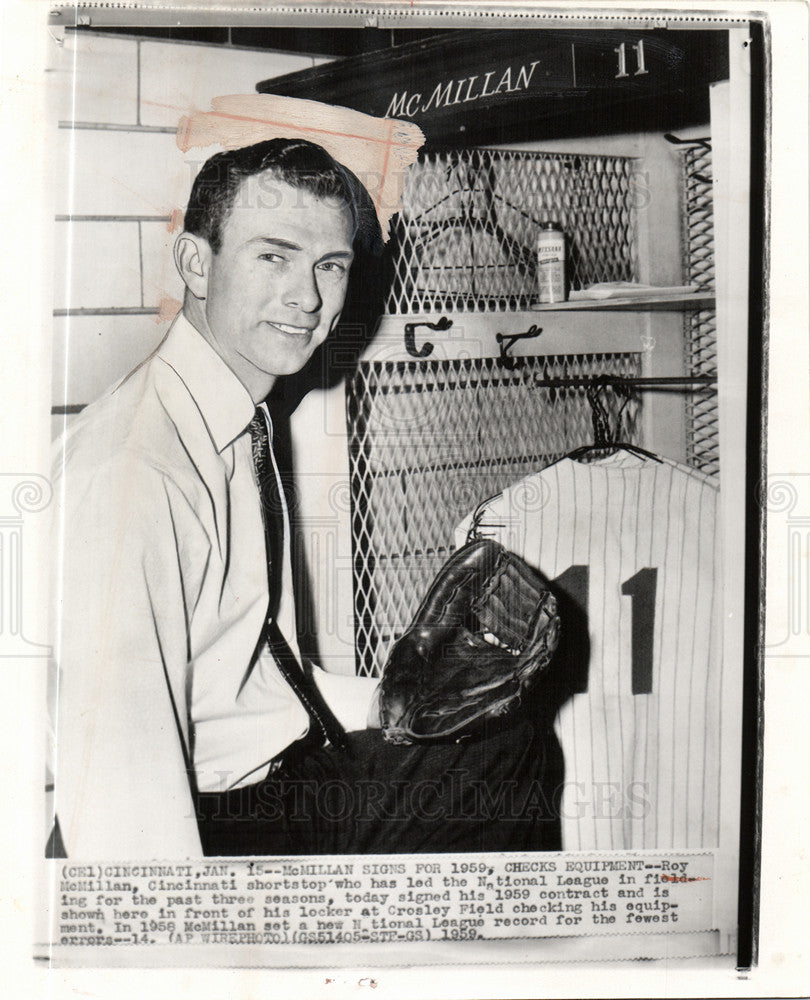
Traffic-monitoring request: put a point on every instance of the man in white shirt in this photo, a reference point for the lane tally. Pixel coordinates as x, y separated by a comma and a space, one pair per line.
177, 731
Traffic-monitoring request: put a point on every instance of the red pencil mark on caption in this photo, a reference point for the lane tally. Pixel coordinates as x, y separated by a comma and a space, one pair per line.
685, 878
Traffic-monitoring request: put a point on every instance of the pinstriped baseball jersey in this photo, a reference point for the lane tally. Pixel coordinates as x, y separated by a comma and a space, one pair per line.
630, 546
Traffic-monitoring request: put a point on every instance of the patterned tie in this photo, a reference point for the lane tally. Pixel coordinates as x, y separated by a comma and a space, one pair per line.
273, 516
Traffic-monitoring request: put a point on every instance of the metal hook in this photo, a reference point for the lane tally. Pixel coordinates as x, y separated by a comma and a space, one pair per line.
704, 140
506, 342
427, 348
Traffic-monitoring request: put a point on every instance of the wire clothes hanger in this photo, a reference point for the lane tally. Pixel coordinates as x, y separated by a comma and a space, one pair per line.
477, 193
604, 434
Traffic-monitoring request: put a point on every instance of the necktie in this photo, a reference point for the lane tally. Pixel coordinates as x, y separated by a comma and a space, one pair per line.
273, 516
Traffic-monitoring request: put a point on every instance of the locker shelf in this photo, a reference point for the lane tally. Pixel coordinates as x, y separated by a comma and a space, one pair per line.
634, 303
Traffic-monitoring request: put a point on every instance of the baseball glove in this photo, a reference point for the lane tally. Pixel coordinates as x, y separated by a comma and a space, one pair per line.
486, 628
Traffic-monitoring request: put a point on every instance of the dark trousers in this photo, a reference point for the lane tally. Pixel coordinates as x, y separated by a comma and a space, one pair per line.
494, 791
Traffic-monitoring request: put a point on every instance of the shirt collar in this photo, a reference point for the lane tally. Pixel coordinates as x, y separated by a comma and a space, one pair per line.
223, 401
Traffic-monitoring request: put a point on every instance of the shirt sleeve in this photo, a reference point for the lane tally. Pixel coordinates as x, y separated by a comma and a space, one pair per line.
122, 775
348, 696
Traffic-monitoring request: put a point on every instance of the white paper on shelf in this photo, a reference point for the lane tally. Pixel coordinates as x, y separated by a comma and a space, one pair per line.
629, 289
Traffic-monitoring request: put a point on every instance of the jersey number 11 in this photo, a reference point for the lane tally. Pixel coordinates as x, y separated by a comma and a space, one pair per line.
641, 589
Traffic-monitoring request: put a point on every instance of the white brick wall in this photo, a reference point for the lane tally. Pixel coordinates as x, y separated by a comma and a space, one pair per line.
97, 263
177, 77
161, 279
90, 353
121, 173
95, 78
119, 176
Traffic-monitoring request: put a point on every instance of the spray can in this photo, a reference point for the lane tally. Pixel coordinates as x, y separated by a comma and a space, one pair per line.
551, 263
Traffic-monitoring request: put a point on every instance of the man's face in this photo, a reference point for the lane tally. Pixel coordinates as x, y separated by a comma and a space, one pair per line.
278, 283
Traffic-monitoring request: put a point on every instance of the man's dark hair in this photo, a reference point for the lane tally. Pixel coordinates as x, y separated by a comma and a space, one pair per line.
297, 162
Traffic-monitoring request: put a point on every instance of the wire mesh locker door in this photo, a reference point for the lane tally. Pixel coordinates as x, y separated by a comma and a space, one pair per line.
465, 240
429, 440
700, 328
